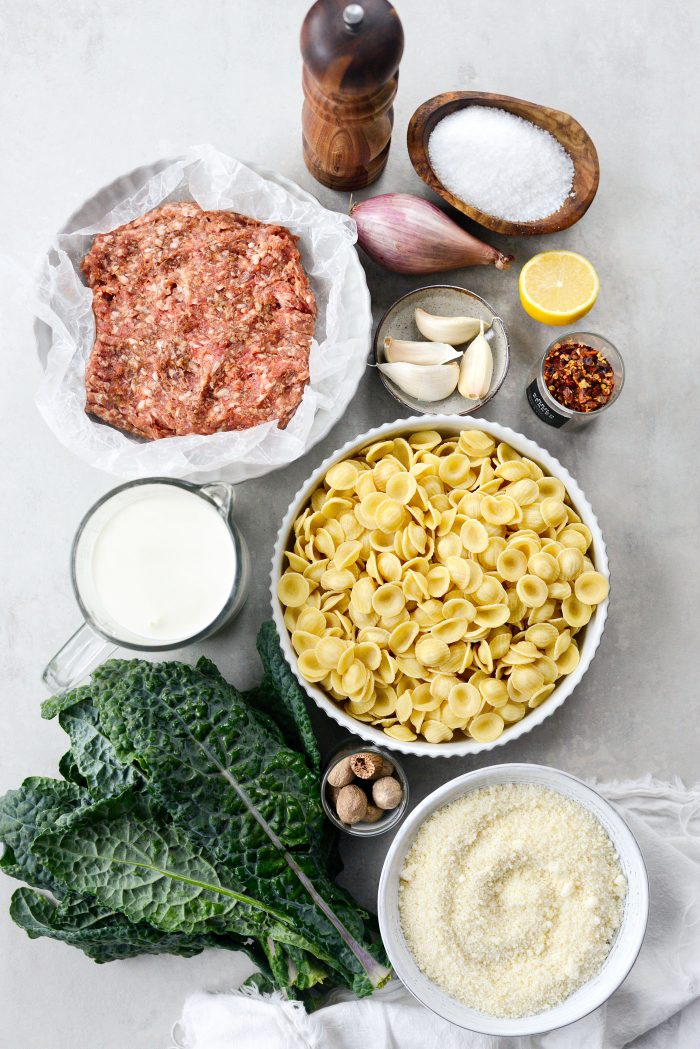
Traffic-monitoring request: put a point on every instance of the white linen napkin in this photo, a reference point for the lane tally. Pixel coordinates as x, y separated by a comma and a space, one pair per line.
657, 1007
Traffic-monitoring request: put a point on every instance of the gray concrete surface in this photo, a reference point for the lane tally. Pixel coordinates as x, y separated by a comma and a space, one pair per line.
90, 90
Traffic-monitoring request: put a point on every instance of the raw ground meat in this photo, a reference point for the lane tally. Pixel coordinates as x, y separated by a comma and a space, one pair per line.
204, 321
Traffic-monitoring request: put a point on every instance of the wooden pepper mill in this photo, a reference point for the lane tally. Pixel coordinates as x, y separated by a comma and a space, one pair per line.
351, 58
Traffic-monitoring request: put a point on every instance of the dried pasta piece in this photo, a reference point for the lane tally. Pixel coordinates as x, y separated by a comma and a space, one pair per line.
493, 691
423, 698
493, 615
401, 487
310, 666
450, 630
388, 600
577, 613
432, 652
293, 589
570, 562
455, 470
511, 564
401, 732
569, 537
538, 697
369, 654
474, 536
458, 608
531, 590
438, 580
499, 509
542, 634
389, 515
511, 712
362, 593
569, 659
553, 511
591, 588
335, 580
551, 488
499, 643
464, 700
485, 728
544, 566
404, 705
424, 439
342, 476
435, 731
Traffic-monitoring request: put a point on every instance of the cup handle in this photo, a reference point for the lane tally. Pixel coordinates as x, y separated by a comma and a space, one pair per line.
221, 493
78, 657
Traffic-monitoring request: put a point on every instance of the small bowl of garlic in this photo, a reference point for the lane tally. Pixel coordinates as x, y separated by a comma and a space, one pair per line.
442, 349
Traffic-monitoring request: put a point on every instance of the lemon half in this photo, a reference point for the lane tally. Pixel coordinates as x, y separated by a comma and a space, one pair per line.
558, 287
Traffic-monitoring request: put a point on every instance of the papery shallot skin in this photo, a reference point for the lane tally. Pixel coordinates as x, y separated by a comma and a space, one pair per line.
204, 322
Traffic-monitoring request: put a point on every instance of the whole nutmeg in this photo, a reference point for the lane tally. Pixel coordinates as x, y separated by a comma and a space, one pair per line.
366, 765
332, 794
387, 769
341, 774
351, 805
373, 814
387, 792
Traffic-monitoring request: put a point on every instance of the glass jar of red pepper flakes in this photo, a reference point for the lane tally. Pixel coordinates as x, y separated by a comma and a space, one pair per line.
578, 377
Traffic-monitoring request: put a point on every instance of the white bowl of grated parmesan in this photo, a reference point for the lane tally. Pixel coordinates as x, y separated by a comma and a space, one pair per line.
513, 900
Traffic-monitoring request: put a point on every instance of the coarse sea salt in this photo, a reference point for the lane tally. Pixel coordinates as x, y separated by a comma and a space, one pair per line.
500, 163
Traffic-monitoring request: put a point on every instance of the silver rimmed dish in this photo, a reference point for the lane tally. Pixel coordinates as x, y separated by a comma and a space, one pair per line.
451, 301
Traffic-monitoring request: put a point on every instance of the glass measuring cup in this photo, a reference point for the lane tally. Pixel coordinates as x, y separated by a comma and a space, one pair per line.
101, 632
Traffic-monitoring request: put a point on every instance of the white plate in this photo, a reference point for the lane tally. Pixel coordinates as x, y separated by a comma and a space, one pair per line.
588, 638
626, 945
355, 303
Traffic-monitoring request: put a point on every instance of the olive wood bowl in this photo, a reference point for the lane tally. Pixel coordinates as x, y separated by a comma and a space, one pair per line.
563, 127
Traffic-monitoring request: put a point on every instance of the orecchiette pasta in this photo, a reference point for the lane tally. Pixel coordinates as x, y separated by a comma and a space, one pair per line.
434, 586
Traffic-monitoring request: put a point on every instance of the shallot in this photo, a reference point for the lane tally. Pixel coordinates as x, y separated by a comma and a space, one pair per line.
407, 234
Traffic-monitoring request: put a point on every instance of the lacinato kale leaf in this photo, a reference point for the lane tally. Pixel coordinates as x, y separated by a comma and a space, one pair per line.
93, 756
281, 694
103, 935
189, 817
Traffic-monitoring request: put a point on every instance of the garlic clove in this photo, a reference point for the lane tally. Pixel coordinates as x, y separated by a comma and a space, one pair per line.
476, 368
400, 351
452, 330
426, 382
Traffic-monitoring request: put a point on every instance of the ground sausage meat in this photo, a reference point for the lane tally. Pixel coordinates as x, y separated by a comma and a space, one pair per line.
204, 321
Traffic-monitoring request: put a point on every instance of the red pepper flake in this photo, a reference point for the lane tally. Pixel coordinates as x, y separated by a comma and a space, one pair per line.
578, 376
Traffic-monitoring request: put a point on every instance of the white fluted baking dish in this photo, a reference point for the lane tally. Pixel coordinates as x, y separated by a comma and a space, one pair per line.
588, 638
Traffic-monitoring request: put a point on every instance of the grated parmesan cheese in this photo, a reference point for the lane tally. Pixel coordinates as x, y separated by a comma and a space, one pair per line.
510, 898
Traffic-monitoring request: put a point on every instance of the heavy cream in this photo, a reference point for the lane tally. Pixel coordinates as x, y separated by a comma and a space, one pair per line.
162, 564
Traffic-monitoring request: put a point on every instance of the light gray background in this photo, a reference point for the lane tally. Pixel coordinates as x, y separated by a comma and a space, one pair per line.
92, 89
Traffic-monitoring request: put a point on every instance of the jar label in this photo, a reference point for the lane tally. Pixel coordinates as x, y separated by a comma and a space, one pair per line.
542, 410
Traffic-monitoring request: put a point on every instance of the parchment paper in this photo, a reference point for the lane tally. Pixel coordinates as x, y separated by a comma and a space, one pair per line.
338, 352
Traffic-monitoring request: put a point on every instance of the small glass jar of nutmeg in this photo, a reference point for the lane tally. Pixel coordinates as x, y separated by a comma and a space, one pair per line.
364, 790
579, 376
